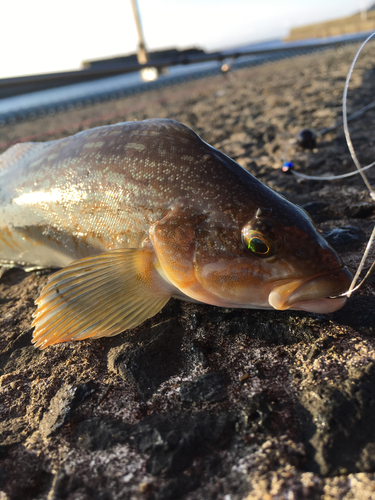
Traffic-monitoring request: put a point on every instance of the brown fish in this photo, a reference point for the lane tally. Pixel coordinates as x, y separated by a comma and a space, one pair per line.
138, 212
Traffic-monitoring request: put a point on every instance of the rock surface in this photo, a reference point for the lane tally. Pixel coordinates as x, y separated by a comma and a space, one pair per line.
201, 402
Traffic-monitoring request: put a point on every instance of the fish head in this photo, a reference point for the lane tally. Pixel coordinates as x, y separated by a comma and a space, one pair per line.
272, 259
231, 241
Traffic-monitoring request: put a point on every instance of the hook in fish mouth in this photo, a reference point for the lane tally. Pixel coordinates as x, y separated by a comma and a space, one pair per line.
320, 294
344, 294
353, 288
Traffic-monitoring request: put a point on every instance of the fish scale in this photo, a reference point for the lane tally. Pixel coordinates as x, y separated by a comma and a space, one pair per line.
150, 209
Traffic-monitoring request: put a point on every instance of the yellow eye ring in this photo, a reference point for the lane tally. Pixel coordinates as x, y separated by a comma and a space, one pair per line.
256, 242
258, 246
261, 237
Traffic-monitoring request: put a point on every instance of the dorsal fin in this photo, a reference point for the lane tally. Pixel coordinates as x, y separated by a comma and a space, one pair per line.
18, 151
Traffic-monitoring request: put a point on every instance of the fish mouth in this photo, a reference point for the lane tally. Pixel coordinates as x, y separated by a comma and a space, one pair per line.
312, 295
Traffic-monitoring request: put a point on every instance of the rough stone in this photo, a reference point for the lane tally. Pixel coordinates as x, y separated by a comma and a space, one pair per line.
359, 210
316, 210
345, 237
174, 440
63, 405
100, 434
258, 412
12, 432
339, 425
27, 477
177, 488
209, 387
153, 357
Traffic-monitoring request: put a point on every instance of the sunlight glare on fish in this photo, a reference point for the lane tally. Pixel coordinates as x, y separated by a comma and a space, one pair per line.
54, 195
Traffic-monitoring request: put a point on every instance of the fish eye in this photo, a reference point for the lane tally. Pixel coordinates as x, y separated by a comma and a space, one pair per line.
258, 246
256, 243
260, 237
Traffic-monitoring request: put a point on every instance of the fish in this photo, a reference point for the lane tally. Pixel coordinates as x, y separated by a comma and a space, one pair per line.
138, 212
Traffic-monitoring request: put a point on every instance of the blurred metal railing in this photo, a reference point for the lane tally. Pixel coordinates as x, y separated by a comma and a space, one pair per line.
236, 59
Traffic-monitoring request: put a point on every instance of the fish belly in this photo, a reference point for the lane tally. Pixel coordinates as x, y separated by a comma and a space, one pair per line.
43, 233
32, 240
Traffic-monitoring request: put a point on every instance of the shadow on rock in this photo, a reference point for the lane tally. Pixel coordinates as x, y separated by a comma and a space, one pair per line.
172, 440
358, 313
339, 432
149, 358
25, 477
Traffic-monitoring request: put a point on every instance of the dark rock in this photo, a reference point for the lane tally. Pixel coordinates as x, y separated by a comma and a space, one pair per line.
321, 345
3, 451
195, 320
70, 485
174, 440
209, 387
64, 485
316, 210
11, 432
177, 488
359, 210
314, 207
339, 425
273, 328
306, 139
345, 238
62, 407
27, 479
3, 476
359, 313
23, 340
196, 354
366, 460
153, 357
257, 413
19, 353
235, 326
285, 329
100, 434
22, 357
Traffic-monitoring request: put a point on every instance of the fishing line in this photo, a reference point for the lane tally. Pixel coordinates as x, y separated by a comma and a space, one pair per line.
288, 166
311, 143
345, 120
363, 175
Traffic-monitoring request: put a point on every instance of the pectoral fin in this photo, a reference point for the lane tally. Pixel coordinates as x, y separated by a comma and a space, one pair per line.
99, 296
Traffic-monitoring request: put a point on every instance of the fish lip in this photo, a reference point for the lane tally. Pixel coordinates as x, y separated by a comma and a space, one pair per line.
322, 306
314, 294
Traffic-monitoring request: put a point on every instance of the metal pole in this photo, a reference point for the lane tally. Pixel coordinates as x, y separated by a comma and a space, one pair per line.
142, 53
363, 11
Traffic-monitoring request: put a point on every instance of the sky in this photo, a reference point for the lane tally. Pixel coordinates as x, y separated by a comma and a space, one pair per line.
42, 36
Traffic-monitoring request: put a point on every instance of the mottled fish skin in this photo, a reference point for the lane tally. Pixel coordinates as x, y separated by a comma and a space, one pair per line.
156, 187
